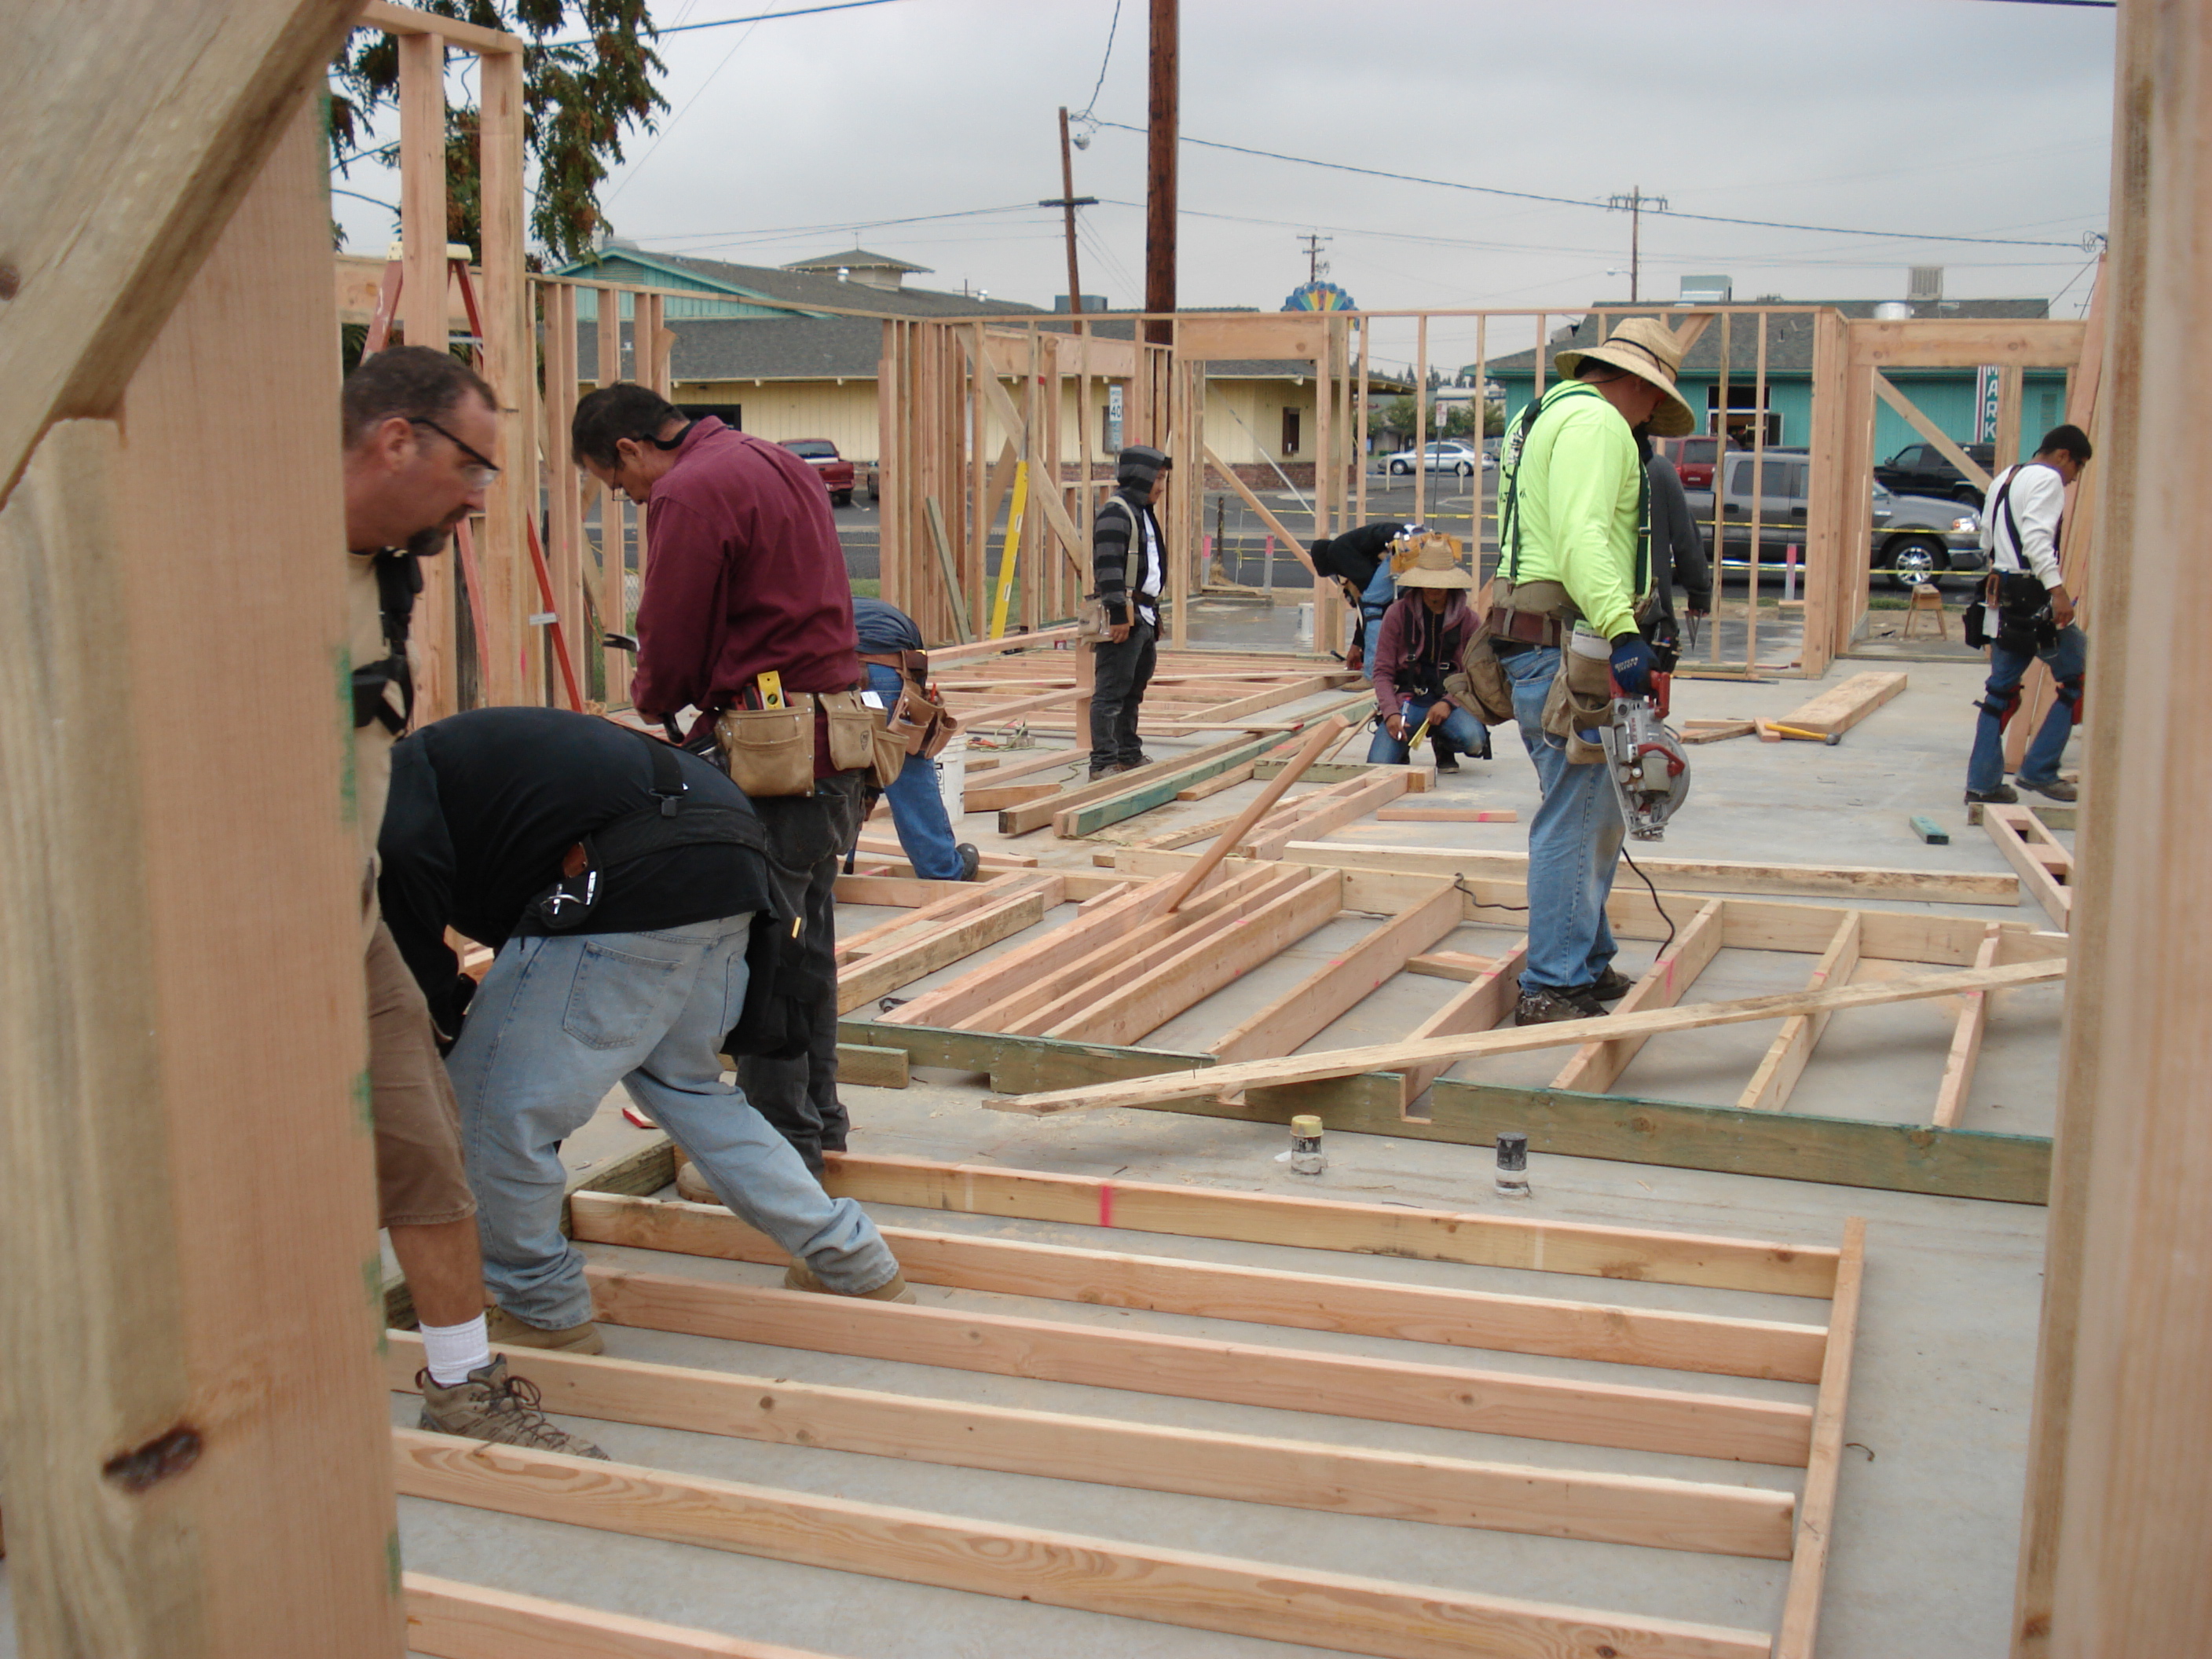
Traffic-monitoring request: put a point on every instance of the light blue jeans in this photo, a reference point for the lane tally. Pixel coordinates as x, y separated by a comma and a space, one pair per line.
925, 831
1459, 730
557, 1024
2067, 659
1574, 842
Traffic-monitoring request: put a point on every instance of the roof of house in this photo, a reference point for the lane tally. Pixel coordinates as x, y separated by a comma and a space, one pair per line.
798, 286
1788, 334
857, 259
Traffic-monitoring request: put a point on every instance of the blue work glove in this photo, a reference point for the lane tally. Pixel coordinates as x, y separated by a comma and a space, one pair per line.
1633, 664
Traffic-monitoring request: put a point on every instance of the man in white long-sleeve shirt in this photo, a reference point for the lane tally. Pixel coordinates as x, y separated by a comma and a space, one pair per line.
2034, 615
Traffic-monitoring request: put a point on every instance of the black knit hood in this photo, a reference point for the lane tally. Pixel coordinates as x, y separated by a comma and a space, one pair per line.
1138, 469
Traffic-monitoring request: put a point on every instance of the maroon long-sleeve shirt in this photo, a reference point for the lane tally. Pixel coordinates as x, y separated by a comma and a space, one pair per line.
1409, 632
745, 574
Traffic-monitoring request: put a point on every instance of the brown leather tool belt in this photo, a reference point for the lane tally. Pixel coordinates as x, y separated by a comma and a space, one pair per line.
1529, 627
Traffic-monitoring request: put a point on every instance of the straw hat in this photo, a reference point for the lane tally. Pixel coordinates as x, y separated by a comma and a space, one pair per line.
1649, 349
1435, 564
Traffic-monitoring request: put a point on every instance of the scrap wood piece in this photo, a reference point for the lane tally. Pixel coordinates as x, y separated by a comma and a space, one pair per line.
1840, 707
1217, 783
1488, 997
1597, 1066
448, 1620
1420, 780
1056, 1569
1928, 830
1966, 1041
1308, 752
1341, 984
1266, 1295
1330, 808
1685, 875
1786, 1058
964, 896
1627, 1416
1451, 965
1392, 1056
1471, 1239
1721, 732
1801, 1608
1714, 1519
996, 797
994, 860
2043, 860
1447, 815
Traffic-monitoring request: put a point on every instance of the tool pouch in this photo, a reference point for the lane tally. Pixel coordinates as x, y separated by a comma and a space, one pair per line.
851, 731
1090, 620
1480, 685
1580, 697
1546, 598
769, 752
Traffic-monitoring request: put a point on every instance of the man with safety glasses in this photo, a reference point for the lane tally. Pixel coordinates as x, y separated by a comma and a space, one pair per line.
420, 430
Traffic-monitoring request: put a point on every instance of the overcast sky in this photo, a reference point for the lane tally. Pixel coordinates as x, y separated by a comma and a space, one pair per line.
1943, 118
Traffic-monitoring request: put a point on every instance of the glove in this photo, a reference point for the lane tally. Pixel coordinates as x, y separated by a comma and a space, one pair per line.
1633, 662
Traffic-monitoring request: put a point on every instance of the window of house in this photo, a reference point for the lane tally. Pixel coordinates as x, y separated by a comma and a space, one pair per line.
1291, 431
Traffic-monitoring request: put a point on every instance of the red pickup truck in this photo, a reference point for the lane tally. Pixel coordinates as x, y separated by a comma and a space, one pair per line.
1693, 459
836, 471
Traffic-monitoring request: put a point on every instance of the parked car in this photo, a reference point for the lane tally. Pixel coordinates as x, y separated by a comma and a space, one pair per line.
1448, 455
822, 455
1692, 457
1916, 538
1925, 469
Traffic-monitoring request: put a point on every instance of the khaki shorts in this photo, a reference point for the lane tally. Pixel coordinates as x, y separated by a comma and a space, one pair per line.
420, 1179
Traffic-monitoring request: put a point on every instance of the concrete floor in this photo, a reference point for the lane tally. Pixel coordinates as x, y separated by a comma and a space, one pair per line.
1927, 1530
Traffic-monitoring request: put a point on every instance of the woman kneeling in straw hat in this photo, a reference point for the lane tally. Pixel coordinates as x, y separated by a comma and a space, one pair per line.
1419, 641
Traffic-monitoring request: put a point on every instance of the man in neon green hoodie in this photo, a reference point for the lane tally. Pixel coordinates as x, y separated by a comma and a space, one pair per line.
1575, 562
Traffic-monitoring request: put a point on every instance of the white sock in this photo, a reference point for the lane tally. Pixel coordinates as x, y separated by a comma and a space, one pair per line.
452, 1351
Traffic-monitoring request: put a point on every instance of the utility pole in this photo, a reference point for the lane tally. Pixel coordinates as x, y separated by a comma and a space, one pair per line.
1315, 243
1068, 202
1634, 202
1162, 131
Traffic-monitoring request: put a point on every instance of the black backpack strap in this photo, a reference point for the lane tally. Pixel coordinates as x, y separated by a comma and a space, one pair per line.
1509, 512
398, 580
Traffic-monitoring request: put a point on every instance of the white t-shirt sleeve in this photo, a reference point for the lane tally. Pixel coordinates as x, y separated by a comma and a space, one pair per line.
2038, 497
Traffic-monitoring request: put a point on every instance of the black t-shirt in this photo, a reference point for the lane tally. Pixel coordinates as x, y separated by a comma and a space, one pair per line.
485, 805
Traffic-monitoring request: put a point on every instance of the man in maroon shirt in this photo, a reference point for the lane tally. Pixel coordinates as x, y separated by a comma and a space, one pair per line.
745, 577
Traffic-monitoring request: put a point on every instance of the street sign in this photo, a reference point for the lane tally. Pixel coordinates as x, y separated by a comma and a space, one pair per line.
1986, 381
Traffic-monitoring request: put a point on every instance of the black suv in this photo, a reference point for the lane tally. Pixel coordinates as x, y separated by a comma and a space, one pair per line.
1922, 470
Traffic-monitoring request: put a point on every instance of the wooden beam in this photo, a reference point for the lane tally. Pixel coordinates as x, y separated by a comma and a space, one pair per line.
1342, 983
1470, 1237
1948, 447
182, 1481
451, 1621
405, 21
959, 898
1447, 815
1689, 875
880, 974
1193, 1368
1784, 1063
1596, 1066
1840, 707
1175, 1586
1274, 524
1965, 1042
1028, 965
1964, 342
1489, 997
1226, 843
1021, 820
1801, 1608
2039, 856
1451, 965
1153, 788
1347, 1062
1299, 1300
1330, 808
515, 671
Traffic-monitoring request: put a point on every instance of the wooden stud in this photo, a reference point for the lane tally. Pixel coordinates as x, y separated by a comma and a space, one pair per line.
1785, 1063
1800, 1609
1330, 808
1840, 707
450, 1620
1175, 1586
182, 1484
1300, 1300
1308, 752
1728, 1427
1948, 447
1596, 1066
422, 315
1966, 1041
1490, 995
880, 974
1470, 1237
1446, 815
2045, 865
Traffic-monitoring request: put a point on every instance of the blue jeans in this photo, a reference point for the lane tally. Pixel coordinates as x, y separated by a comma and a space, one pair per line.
557, 1024
1457, 729
2066, 659
1574, 841
925, 830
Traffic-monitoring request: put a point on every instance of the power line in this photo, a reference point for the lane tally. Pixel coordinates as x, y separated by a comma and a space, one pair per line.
1569, 201
1112, 29
774, 231
727, 22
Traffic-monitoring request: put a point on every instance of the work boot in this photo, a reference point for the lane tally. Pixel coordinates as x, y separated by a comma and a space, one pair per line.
1098, 772
800, 1276
2057, 789
1446, 760
494, 1407
1609, 987
691, 1187
1546, 1006
971, 860
506, 1331
2002, 795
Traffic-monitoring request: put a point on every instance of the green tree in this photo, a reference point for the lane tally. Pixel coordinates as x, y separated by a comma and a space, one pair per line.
579, 99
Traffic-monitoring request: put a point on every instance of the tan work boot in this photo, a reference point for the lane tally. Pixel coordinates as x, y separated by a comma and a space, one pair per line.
800, 1276
691, 1187
506, 1331
495, 1407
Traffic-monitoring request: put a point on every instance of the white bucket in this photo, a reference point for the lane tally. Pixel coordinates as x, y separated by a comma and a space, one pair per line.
952, 777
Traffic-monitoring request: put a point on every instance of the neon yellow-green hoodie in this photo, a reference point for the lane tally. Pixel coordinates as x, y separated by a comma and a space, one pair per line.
1580, 488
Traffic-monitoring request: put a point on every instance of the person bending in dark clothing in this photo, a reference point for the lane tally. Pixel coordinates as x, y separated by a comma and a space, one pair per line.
1358, 561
